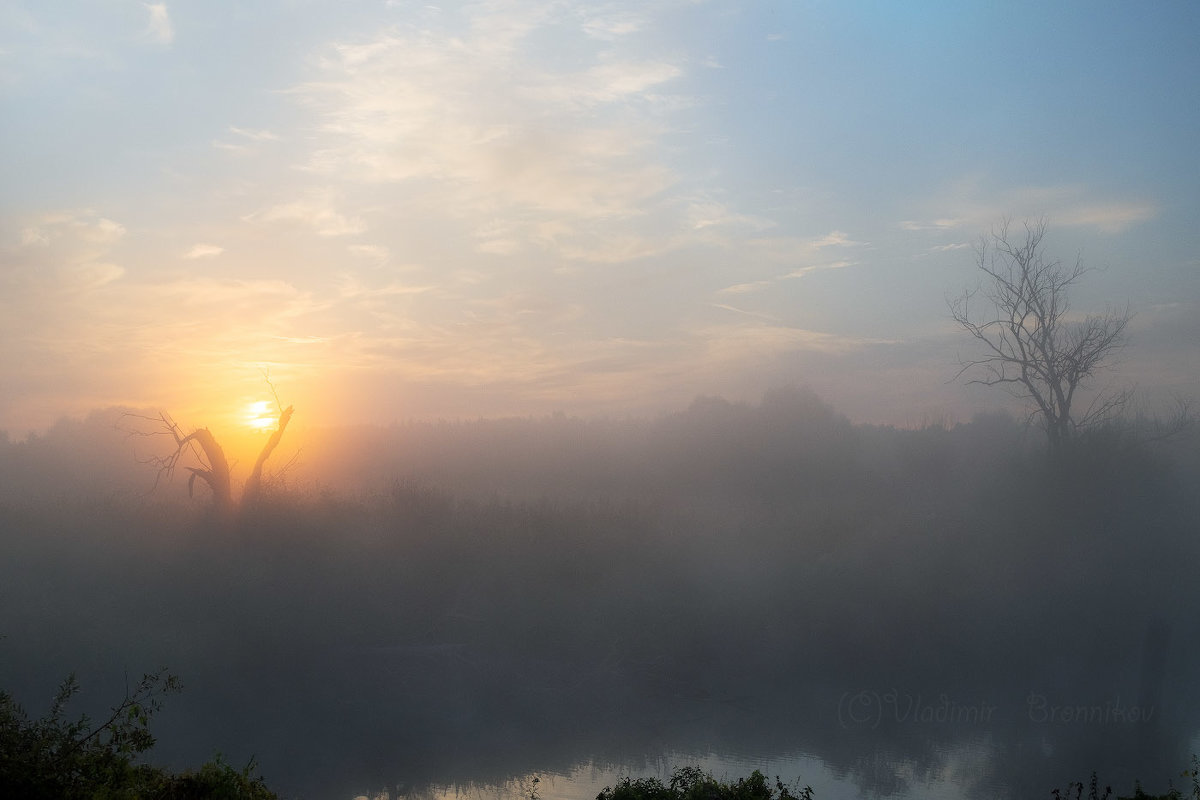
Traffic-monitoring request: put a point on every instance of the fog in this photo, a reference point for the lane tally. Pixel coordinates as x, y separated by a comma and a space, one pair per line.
474, 601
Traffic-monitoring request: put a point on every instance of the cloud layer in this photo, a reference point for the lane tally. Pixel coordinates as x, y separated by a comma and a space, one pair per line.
511, 207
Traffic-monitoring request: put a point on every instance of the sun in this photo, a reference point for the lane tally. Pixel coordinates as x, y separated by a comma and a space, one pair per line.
258, 415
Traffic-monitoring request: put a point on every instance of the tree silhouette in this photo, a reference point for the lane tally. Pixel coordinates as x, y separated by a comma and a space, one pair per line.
1031, 344
213, 469
254, 482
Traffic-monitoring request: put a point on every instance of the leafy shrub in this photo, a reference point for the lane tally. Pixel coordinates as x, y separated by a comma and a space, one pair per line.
1074, 790
693, 783
58, 759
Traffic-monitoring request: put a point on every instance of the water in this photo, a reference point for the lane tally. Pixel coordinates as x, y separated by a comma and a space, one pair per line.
586, 780
578, 736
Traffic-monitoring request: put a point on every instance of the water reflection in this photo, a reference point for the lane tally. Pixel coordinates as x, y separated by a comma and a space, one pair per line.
586, 780
490, 727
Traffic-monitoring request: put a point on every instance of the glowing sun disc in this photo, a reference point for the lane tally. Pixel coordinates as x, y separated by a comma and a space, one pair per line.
258, 415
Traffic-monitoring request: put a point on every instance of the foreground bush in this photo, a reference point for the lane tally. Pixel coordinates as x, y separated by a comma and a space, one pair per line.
58, 759
1075, 790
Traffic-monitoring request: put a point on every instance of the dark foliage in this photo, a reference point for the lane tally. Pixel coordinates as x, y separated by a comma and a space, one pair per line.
1075, 791
693, 783
56, 758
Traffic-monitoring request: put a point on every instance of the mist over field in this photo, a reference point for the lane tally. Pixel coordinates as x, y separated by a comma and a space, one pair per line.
477, 601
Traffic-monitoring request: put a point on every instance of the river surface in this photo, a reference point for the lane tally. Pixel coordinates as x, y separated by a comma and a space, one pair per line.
585, 781
578, 734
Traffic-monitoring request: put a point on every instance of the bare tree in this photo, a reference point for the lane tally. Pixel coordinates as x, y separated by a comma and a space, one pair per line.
213, 467
254, 482
1031, 344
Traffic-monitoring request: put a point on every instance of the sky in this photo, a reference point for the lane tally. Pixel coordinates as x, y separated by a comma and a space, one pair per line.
399, 210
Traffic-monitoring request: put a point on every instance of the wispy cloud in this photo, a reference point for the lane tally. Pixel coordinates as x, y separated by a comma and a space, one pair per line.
736, 310
471, 122
706, 213
941, 224
93, 274
975, 205
204, 251
230, 147
745, 288
374, 252
350, 287
835, 239
315, 210
158, 27
246, 141
83, 226
798, 250
809, 256
59, 266
811, 268
739, 341
609, 24
1113, 217
254, 136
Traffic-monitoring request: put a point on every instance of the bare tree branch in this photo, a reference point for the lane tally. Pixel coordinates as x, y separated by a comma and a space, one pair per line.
254, 482
266, 373
1030, 345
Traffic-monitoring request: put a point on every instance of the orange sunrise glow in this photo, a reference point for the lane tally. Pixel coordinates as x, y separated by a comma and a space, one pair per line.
258, 415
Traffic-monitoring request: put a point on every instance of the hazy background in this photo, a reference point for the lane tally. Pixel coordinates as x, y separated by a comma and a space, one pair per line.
478, 601
412, 211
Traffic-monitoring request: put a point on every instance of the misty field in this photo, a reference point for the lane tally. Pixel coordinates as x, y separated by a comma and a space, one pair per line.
475, 601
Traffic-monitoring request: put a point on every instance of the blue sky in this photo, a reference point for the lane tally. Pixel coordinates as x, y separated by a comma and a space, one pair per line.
409, 210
